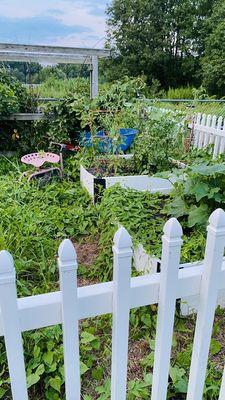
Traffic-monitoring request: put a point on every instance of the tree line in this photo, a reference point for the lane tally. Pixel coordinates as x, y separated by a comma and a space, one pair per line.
176, 42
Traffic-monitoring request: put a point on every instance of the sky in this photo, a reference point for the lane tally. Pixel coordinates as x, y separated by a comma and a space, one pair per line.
78, 23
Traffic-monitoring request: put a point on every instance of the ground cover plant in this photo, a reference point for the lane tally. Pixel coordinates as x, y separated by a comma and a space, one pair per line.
34, 220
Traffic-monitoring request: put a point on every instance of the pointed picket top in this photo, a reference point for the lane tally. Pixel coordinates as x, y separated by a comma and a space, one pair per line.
217, 219
122, 239
172, 229
6, 262
67, 252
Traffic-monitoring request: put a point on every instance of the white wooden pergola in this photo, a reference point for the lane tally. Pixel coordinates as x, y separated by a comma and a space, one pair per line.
56, 55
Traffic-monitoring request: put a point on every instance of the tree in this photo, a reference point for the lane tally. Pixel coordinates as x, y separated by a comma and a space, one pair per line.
161, 39
214, 60
23, 71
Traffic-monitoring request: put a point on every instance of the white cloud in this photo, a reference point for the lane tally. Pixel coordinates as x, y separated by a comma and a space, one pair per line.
70, 13
81, 40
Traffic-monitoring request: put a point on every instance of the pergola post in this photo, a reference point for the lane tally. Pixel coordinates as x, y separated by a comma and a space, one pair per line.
94, 77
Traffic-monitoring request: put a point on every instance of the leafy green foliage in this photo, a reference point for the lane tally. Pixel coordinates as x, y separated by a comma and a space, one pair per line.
33, 222
159, 139
201, 192
14, 97
163, 40
214, 59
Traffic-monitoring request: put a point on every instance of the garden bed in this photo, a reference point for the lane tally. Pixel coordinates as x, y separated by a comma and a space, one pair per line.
95, 185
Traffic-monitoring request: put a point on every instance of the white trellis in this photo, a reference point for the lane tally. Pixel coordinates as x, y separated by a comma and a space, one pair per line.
209, 129
71, 304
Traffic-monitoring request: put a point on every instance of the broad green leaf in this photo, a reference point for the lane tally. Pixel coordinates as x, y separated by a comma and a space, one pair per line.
56, 383
48, 357
198, 215
32, 379
83, 368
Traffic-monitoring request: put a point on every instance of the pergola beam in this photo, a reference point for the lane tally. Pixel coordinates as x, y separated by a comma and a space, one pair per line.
43, 58
82, 52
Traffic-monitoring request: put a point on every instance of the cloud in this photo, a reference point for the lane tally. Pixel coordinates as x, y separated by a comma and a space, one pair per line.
37, 30
66, 19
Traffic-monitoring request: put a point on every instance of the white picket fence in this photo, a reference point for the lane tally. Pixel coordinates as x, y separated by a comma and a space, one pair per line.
209, 129
71, 304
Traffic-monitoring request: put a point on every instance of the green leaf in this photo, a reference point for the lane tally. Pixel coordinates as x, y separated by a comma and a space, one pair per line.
215, 347
198, 215
2, 392
181, 385
36, 351
83, 368
32, 379
177, 208
97, 373
200, 190
48, 357
40, 370
56, 383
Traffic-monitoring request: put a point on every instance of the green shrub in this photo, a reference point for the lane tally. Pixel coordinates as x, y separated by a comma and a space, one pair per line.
159, 139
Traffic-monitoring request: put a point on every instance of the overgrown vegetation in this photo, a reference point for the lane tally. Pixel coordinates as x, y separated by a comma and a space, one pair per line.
35, 218
33, 222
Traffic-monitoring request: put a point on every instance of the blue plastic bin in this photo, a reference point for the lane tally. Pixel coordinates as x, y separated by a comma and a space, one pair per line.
105, 142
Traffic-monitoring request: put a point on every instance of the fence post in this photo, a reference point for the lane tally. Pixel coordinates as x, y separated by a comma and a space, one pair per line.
166, 307
67, 263
218, 138
122, 251
11, 326
207, 303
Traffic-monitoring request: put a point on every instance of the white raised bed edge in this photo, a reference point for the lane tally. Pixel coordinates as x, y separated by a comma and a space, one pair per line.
136, 182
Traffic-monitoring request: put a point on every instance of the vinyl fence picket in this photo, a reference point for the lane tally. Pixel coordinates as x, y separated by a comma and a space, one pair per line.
196, 132
207, 303
206, 138
214, 125
12, 332
122, 251
217, 140
67, 263
166, 307
222, 139
201, 134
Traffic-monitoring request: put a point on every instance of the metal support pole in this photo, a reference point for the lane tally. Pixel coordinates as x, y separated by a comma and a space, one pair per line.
94, 77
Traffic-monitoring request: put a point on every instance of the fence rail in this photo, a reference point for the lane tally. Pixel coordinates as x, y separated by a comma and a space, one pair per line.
71, 304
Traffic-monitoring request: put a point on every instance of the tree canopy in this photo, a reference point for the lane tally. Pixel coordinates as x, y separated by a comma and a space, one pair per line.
162, 39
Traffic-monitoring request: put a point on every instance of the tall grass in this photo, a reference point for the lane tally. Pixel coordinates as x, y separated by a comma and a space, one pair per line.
59, 88
185, 92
